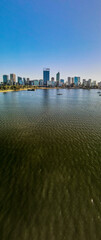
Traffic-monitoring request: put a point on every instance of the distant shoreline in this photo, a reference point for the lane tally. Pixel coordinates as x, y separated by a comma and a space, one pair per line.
43, 88
12, 90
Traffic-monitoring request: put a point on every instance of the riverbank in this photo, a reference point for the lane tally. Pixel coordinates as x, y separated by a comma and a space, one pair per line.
24, 89
12, 90
37, 88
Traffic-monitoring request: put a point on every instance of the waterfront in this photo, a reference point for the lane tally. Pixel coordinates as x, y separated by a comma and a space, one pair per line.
50, 165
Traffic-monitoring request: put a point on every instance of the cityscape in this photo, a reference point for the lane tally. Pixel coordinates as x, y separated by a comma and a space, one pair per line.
47, 81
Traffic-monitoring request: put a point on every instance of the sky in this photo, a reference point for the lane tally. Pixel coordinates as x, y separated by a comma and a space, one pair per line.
64, 35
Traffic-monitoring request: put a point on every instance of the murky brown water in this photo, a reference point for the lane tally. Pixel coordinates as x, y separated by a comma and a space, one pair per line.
50, 165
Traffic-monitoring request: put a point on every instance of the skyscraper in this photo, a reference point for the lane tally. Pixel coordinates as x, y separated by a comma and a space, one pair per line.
24, 81
28, 79
46, 75
72, 80
12, 79
89, 83
62, 81
77, 81
58, 78
41, 82
5, 79
52, 79
20, 81
69, 81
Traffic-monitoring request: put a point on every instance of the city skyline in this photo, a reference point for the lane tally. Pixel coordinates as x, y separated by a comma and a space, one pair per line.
65, 36
49, 81
53, 74
50, 76
47, 76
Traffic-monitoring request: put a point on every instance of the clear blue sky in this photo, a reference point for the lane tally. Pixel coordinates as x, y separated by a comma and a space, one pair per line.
64, 35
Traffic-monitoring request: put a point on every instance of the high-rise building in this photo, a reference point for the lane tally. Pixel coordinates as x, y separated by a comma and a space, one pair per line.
72, 80
89, 83
84, 82
36, 82
52, 79
58, 78
46, 75
20, 82
93, 84
99, 84
27, 81
77, 81
24, 81
69, 81
5, 79
62, 81
12, 79
41, 82
49, 83
31, 82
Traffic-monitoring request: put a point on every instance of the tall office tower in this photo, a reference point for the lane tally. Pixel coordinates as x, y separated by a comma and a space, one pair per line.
46, 75
69, 81
20, 81
5, 79
99, 84
24, 81
72, 80
77, 81
52, 79
41, 82
62, 81
93, 84
58, 78
12, 79
28, 79
89, 82
84, 82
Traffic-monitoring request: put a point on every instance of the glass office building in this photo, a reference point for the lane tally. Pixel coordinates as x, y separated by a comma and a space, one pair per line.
46, 75
62, 81
12, 79
20, 82
36, 82
58, 78
5, 79
77, 81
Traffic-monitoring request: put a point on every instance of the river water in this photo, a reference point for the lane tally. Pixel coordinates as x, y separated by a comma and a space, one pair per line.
50, 165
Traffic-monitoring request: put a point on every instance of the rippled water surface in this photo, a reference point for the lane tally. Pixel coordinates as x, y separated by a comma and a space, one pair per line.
50, 165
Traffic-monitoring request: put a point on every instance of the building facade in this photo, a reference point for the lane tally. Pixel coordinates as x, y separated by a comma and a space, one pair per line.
46, 75
58, 78
36, 82
41, 82
5, 79
99, 84
89, 83
27, 81
20, 82
69, 80
61, 82
77, 81
12, 79
52, 79
93, 84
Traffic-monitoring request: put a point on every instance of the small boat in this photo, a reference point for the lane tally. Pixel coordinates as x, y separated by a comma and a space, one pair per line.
31, 89
59, 94
99, 94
